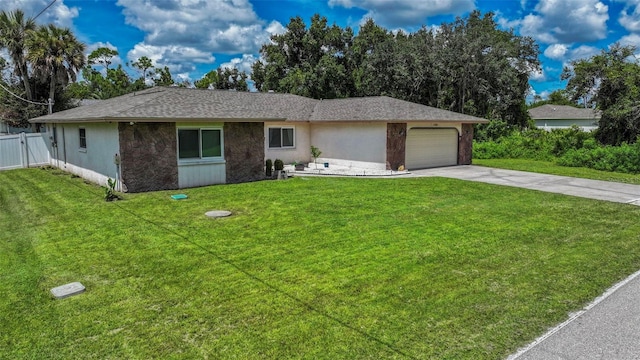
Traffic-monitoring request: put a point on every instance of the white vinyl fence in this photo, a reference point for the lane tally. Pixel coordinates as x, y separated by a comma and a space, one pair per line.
22, 151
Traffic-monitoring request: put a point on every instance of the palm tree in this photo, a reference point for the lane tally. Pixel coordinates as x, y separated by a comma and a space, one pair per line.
15, 29
55, 54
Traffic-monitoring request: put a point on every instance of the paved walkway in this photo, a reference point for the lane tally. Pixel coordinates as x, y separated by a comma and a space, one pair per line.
592, 189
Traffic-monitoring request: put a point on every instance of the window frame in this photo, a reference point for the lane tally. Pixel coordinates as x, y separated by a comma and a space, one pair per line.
200, 158
281, 128
82, 139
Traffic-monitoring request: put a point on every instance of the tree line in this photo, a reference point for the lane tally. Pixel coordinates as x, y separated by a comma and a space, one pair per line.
44, 63
43, 58
468, 66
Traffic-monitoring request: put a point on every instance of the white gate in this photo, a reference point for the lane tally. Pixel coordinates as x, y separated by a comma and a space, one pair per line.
22, 151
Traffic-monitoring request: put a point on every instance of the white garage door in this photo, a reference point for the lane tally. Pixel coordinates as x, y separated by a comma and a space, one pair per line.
431, 148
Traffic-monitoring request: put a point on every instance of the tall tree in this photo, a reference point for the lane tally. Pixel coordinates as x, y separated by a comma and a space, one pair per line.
611, 82
102, 56
310, 62
144, 64
209, 80
469, 66
163, 77
56, 56
224, 79
487, 69
15, 29
556, 97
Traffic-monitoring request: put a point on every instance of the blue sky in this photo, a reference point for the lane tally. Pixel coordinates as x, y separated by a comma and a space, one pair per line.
192, 37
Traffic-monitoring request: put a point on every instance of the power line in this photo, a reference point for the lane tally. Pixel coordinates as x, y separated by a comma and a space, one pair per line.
21, 98
45, 9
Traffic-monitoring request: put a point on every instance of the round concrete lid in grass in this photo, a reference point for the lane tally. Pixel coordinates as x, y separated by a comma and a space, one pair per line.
218, 213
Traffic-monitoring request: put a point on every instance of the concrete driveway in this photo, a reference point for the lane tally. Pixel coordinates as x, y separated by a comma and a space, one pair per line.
592, 189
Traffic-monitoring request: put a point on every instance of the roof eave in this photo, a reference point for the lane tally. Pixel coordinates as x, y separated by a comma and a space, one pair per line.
151, 120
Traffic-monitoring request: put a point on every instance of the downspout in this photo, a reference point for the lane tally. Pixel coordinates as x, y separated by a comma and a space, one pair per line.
54, 144
64, 146
26, 148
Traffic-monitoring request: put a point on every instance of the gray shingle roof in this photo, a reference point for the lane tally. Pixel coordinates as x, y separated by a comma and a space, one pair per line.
170, 104
384, 108
550, 111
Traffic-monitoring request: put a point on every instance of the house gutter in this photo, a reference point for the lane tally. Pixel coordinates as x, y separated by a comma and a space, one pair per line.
153, 120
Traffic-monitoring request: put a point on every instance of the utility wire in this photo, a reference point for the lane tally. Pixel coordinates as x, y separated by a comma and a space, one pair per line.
21, 98
45, 9
17, 96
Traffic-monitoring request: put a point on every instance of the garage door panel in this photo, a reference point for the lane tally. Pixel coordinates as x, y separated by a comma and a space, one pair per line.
431, 148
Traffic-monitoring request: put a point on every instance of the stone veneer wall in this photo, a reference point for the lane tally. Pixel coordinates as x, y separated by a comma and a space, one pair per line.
396, 145
244, 151
148, 156
465, 145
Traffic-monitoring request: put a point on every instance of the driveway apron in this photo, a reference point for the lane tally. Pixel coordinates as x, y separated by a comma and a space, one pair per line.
592, 189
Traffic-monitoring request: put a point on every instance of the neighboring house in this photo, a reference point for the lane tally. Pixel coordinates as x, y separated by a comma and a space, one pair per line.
549, 117
170, 138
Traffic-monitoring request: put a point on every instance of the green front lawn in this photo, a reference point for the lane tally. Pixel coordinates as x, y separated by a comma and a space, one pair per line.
305, 268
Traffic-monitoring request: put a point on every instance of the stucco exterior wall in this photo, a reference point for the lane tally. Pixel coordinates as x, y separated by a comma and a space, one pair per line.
244, 151
95, 163
301, 152
148, 153
359, 142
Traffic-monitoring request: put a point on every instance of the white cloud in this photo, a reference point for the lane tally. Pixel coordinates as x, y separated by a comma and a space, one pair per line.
565, 21
583, 52
405, 13
566, 53
179, 59
275, 28
556, 51
237, 38
229, 26
183, 77
538, 76
630, 16
242, 64
58, 14
631, 39
545, 94
181, 33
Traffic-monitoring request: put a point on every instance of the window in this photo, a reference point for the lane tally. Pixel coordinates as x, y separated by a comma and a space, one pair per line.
83, 138
199, 143
281, 137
